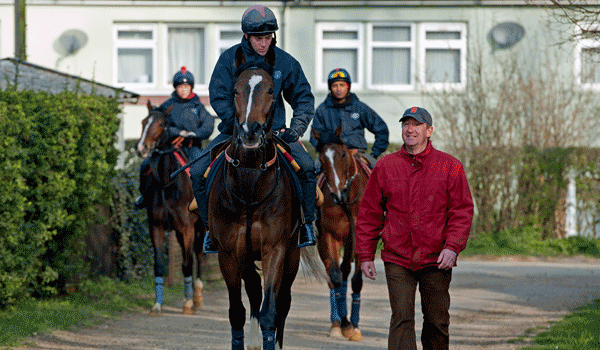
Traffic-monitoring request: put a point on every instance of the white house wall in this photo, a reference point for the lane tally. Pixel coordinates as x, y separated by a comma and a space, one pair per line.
47, 20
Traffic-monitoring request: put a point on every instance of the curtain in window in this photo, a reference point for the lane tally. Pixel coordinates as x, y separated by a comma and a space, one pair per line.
186, 48
391, 66
135, 66
442, 66
342, 58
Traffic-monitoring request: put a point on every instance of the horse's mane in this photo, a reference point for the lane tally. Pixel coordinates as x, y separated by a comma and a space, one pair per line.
250, 65
327, 137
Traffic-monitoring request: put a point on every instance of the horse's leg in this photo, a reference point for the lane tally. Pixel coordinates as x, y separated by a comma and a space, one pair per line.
284, 301
357, 284
231, 271
198, 285
347, 327
253, 286
157, 235
329, 250
185, 237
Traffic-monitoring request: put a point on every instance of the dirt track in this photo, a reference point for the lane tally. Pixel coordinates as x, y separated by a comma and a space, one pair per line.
493, 302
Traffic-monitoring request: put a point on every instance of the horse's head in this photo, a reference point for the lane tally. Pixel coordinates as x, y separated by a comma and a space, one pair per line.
153, 127
337, 163
253, 99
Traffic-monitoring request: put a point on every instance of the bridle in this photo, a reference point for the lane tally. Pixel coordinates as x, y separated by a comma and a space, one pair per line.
350, 164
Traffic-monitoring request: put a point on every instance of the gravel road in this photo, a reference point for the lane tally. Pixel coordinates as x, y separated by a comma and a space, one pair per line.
493, 302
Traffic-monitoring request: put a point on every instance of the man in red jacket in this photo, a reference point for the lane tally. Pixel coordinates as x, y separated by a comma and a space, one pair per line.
418, 201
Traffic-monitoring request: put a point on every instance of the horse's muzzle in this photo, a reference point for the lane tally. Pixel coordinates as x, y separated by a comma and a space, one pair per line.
251, 135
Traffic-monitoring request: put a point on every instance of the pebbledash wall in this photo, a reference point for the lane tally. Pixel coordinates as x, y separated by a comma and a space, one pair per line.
394, 50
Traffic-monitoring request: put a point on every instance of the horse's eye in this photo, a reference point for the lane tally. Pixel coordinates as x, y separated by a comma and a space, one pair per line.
235, 92
271, 91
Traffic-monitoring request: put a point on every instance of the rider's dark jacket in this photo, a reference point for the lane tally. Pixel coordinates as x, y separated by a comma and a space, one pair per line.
190, 115
289, 80
355, 117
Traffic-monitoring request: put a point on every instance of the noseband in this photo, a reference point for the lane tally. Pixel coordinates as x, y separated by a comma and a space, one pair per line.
349, 179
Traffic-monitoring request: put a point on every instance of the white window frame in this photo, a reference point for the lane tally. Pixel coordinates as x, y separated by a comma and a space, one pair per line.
457, 44
371, 45
165, 53
135, 44
225, 44
580, 45
321, 44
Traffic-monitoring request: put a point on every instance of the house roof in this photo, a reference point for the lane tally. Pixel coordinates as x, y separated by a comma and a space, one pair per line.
29, 76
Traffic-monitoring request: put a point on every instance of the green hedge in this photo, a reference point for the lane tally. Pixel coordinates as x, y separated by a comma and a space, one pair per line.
58, 159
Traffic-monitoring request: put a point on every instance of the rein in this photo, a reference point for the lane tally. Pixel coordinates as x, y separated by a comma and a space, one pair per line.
349, 181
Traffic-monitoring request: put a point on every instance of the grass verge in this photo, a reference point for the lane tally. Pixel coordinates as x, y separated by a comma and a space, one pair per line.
92, 303
577, 331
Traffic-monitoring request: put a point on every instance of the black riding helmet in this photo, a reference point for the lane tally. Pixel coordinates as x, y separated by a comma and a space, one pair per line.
183, 77
259, 20
338, 74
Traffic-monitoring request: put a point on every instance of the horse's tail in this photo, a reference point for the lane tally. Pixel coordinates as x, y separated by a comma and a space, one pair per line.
311, 265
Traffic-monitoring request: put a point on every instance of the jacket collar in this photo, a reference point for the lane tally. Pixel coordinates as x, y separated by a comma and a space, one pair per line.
181, 100
330, 102
419, 156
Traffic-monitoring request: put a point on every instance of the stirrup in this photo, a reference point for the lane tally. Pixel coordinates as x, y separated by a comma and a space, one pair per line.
306, 236
208, 246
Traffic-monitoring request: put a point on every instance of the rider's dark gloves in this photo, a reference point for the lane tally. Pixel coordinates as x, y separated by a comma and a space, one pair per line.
290, 135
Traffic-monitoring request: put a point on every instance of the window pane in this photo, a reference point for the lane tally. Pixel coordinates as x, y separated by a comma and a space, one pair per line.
391, 34
442, 66
590, 58
442, 35
186, 48
135, 66
340, 35
391, 66
347, 59
134, 34
231, 35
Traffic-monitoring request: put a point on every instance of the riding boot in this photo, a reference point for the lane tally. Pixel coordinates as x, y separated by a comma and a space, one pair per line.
145, 179
199, 187
307, 236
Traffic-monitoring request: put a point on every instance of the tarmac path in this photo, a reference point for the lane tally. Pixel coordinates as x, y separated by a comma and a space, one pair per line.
493, 303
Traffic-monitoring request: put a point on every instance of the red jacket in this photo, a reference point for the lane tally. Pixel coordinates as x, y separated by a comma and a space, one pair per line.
419, 205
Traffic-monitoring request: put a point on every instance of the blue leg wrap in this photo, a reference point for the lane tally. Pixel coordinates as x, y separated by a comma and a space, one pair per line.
355, 309
237, 340
158, 290
333, 306
341, 300
268, 340
188, 290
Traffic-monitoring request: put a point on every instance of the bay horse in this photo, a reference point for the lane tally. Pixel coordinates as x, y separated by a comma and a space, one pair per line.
254, 214
168, 208
344, 179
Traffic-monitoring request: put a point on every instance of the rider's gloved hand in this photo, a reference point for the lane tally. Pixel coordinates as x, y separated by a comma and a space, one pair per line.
185, 133
289, 136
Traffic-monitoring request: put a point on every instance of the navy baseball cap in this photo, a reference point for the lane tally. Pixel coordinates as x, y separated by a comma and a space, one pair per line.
420, 114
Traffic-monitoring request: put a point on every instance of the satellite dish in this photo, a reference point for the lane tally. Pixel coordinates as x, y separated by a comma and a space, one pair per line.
72, 40
506, 34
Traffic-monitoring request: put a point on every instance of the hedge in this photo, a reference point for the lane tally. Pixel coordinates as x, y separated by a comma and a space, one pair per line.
57, 165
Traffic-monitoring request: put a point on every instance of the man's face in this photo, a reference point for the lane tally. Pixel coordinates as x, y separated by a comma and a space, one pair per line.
260, 43
415, 134
184, 90
340, 89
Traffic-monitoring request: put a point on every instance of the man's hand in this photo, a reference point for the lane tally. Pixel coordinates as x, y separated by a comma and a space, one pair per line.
186, 133
447, 259
368, 269
289, 136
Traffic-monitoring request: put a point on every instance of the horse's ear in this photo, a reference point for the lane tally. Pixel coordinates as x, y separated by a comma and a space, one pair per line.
315, 134
168, 111
240, 58
338, 130
149, 105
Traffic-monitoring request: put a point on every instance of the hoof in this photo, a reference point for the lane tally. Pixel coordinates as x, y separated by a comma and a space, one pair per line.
198, 301
156, 310
356, 335
188, 308
336, 332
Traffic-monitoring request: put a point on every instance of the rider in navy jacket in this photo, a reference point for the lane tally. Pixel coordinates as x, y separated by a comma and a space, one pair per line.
259, 25
354, 115
188, 119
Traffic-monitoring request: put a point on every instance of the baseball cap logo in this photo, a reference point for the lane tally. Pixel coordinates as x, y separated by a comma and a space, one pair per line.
413, 110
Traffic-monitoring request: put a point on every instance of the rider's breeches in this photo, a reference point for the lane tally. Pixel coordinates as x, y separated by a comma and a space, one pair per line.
307, 177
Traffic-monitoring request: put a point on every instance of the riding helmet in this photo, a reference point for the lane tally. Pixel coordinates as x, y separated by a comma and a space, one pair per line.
338, 74
259, 20
183, 77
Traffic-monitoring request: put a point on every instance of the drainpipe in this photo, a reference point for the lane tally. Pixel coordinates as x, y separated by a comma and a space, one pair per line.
571, 204
20, 30
281, 40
